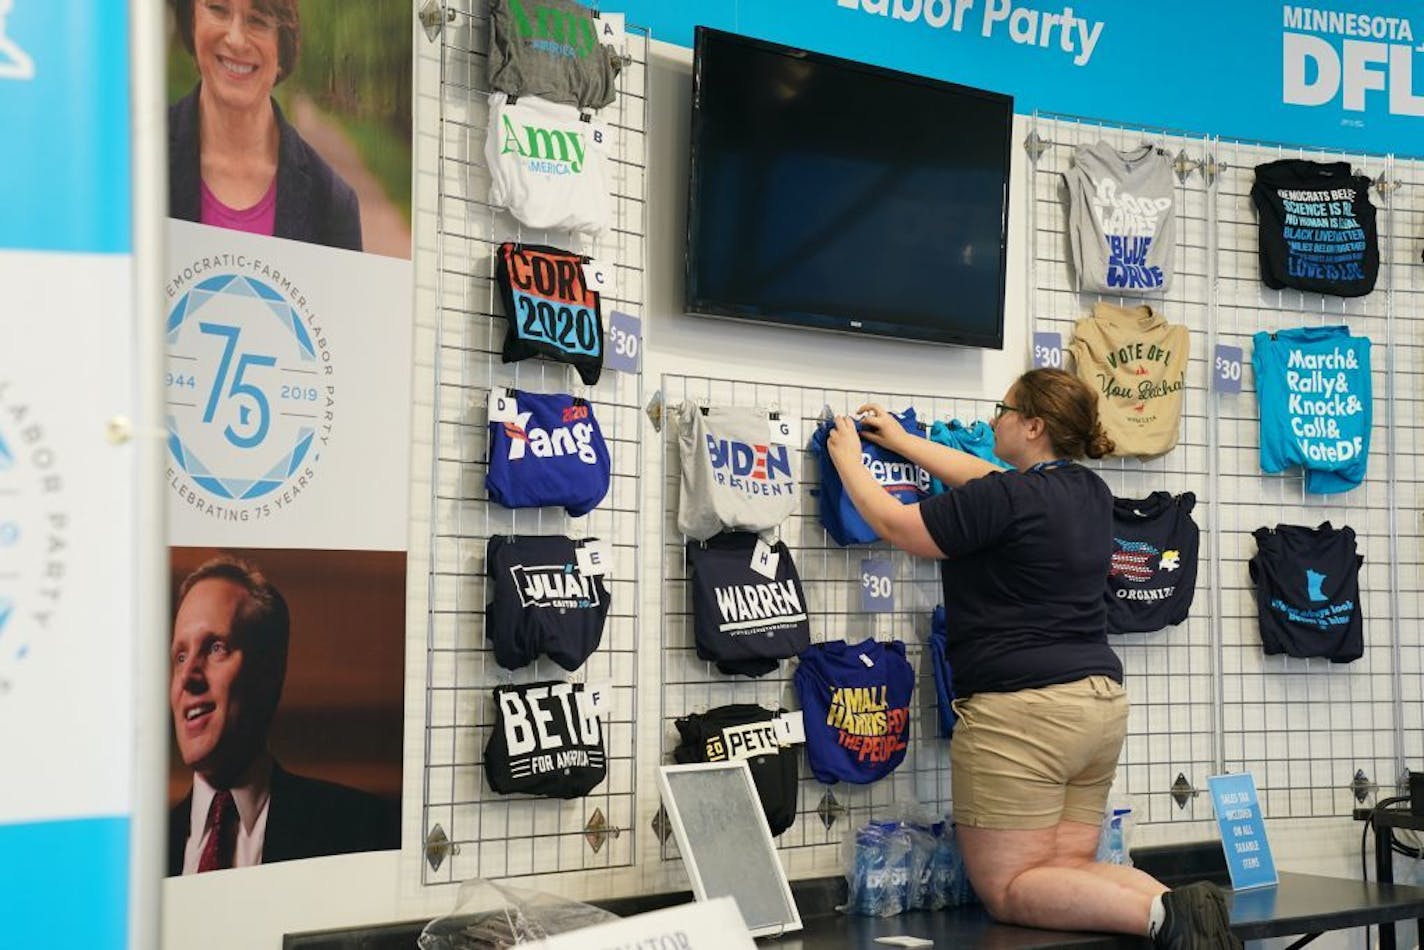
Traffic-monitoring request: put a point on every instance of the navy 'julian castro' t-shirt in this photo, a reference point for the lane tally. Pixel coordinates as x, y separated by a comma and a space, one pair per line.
1026, 560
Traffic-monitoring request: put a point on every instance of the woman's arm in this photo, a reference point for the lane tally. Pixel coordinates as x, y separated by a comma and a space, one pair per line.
950, 466
898, 523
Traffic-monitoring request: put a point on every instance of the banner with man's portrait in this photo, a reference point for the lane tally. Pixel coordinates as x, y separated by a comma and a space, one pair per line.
287, 319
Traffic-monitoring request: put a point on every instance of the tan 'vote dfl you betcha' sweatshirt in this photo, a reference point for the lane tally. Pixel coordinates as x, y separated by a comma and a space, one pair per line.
1137, 364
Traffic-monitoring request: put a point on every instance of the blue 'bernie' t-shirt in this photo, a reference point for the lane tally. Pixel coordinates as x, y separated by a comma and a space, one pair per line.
901, 478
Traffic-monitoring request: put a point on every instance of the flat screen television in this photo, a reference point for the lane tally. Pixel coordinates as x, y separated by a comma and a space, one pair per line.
837, 195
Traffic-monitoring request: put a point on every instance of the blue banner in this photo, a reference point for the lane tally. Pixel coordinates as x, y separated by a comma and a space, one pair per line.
65, 190
64, 108
1335, 73
85, 906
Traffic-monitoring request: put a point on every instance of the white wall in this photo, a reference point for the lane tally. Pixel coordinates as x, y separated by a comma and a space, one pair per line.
253, 908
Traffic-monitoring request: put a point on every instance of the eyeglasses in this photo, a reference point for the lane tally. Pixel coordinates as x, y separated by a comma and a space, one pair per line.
254, 21
1002, 407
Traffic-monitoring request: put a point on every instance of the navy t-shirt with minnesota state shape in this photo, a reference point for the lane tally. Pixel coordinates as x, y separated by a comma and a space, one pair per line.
1026, 555
1308, 591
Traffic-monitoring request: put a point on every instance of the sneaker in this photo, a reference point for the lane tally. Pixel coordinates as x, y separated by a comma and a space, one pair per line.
1196, 918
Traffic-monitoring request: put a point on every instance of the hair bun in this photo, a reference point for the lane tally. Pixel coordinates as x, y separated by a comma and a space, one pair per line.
1098, 443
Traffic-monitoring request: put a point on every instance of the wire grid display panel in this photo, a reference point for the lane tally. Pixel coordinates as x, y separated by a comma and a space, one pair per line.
512, 836
1406, 276
831, 576
1170, 674
1304, 727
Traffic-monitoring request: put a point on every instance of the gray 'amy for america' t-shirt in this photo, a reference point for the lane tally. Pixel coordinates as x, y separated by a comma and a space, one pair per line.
551, 49
1121, 228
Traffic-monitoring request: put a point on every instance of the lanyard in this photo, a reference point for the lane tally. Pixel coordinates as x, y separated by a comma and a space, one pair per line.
1047, 466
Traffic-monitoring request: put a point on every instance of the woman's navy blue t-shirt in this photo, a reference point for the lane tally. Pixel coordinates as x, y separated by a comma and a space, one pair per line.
1026, 562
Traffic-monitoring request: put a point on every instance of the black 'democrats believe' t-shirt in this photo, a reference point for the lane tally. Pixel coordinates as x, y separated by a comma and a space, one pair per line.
1026, 557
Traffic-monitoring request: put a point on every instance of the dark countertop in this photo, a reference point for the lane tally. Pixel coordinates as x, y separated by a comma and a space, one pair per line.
1300, 904
1310, 903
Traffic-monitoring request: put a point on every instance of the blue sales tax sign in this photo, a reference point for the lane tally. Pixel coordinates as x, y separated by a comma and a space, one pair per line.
1243, 831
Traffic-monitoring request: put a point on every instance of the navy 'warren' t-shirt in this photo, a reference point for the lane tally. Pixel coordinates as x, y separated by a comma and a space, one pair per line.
1026, 562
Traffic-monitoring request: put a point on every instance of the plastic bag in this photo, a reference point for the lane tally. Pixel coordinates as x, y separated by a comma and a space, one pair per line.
904, 862
489, 916
920, 883
1114, 839
876, 860
951, 876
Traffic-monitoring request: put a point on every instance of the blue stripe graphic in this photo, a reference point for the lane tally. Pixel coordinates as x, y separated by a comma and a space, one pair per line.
1217, 67
64, 110
65, 883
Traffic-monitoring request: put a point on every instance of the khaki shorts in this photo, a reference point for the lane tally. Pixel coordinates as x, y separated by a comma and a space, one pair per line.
1035, 757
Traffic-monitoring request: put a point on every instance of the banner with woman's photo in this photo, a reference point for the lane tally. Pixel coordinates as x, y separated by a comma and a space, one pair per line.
287, 315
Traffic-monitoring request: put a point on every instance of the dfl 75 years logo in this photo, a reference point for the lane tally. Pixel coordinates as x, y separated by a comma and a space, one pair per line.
34, 534
251, 393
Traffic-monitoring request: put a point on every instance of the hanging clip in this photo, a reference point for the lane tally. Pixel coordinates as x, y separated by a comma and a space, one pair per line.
654, 411
1183, 164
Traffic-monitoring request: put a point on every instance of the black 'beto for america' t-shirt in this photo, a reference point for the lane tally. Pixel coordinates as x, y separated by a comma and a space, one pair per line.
1026, 560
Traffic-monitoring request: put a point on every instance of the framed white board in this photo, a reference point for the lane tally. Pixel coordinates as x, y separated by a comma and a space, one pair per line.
726, 844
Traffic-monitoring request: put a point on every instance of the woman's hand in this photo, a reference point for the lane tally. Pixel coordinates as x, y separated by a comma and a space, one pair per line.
878, 426
843, 445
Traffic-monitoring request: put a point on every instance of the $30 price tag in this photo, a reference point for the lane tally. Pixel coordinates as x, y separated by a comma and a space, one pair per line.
1226, 369
1048, 350
877, 585
625, 342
